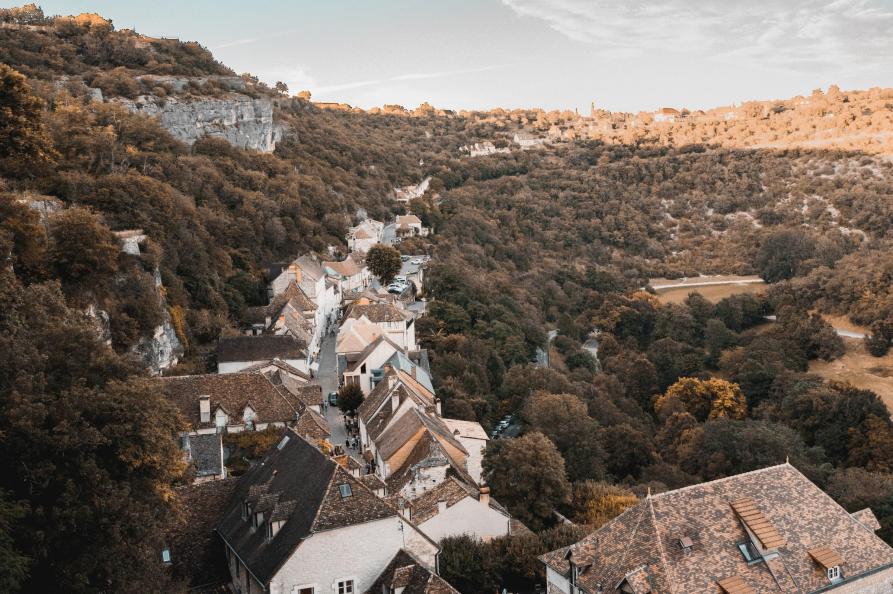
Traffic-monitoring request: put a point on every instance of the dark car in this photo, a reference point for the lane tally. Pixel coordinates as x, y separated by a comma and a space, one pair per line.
333, 398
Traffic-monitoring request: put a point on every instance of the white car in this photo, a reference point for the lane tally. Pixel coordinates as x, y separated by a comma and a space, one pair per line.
417, 261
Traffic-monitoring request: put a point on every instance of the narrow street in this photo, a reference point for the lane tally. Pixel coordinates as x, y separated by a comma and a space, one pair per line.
328, 379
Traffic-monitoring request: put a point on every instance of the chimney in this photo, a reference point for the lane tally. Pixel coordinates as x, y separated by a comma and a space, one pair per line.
484, 497
204, 408
441, 506
437, 406
267, 321
395, 401
413, 372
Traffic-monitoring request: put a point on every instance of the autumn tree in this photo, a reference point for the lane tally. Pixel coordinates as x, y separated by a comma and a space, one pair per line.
785, 254
82, 248
703, 399
384, 262
527, 475
595, 503
24, 145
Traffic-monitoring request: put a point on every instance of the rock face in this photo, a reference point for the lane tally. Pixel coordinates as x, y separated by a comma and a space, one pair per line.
244, 121
163, 349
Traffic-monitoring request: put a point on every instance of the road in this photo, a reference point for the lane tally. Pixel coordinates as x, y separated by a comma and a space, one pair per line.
328, 379
840, 332
389, 234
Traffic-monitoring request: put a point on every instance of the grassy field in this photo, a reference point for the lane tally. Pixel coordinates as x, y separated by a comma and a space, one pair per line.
861, 370
728, 285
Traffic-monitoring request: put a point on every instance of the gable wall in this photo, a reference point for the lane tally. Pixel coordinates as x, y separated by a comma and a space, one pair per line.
468, 516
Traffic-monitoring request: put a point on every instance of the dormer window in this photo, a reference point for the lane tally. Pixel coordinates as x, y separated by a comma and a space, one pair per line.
273, 528
749, 552
245, 510
258, 519
834, 574
345, 490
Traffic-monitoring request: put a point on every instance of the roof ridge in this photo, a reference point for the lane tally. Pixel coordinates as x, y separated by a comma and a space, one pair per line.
660, 545
328, 488
721, 480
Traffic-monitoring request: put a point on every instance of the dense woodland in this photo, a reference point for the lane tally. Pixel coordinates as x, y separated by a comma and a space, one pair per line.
527, 242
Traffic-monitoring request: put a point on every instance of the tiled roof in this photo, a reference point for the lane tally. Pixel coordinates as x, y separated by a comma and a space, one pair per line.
373, 482
347, 267
232, 392
312, 425
356, 334
648, 536
377, 409
348, 462
357, 360
377, 312
412, 373
206, 454
259, 348
406, 572
410, 219
451, 491
196, 552
310, 267
299, 484
466, 429
278, 364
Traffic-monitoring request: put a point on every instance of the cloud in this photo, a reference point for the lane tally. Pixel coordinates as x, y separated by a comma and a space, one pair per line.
794, 34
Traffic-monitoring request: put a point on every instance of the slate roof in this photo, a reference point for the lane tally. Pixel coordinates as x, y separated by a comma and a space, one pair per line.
407, 572
196, 552
259, 348
312, 425
299, 484
206, 454
401, 362
452, 491
232, 392
646, 537
377, 312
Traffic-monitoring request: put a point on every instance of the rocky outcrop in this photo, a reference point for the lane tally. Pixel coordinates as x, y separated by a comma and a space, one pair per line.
244, 121
163, 349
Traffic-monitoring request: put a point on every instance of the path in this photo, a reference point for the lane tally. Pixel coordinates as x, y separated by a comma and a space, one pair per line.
328, 379
840, 331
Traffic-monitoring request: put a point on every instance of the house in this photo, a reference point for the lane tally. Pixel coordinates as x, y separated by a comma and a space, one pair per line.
482, 149
290, 313
362, 237
528, 141
395, 323
407, 193
474, 439
308, 273
361, 369
130, 240
407, 575
393, 395
667, 114
454, 508
410, 226
235, 402
313, 427
416, 452
351, 274
204, 455
761, 532
299, 523
240, 352
355, 335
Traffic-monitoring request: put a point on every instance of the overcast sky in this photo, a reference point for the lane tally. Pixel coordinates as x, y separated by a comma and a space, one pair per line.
626, 55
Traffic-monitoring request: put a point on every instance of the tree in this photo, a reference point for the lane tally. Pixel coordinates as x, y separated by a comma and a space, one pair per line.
468, 564
350, 397
784, 254
703, 399
596, 503
527, 475
384, 262
83, 250
563, 418
24, 145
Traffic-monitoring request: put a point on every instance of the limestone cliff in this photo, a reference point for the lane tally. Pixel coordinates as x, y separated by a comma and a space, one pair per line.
243, 120
163, 349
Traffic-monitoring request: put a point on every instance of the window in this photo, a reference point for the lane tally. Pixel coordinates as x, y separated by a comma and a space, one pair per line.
245, 510
834, 573
305, 591
258, 519
165, 555
345, 587
750, 552
345, 490
363, 368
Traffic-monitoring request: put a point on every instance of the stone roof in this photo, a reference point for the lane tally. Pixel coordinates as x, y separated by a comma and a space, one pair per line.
406, 572
206, 454
312, 425
292, 296
466, 429
373, 481
346, 268
197, 554
451, 491
259, 348
377, 312
277, 364
356, 334
298, 484
347, 461
646, 539
232, 392
377, 408
310, 267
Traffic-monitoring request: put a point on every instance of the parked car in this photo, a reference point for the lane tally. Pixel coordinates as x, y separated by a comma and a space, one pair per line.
333, 398
416, 261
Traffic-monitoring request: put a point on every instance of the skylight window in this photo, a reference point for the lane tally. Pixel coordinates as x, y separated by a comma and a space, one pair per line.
750, 552
282, 443
345, 490
165, 555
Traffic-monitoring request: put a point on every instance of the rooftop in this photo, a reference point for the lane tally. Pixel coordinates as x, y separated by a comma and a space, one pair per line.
259, 348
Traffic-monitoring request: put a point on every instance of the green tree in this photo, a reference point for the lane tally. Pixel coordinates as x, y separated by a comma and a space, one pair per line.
527, 475
563, 418
350, 397
13, 564
468, 564
83, 251
384, 262
785, 254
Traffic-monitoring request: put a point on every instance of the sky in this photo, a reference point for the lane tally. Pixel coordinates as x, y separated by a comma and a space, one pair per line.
625, 55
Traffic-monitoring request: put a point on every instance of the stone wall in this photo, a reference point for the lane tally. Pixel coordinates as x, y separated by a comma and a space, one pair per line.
878, 583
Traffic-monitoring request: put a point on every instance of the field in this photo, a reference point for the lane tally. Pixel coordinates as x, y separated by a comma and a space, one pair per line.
861, 370
712, 288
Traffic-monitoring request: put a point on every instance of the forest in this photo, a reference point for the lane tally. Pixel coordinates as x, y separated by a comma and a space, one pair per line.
524, 243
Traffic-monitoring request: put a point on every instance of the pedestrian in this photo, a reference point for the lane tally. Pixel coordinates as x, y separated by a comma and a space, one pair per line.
347, 444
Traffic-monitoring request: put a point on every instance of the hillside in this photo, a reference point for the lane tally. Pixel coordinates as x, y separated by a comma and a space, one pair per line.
547, 248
